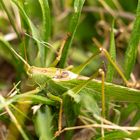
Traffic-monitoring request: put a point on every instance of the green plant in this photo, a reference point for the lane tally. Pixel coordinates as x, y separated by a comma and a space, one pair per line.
60, 96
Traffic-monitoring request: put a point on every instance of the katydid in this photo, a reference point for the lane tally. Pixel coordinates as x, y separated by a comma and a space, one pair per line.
41, 76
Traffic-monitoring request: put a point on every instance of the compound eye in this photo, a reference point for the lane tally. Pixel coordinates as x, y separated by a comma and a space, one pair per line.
65, 74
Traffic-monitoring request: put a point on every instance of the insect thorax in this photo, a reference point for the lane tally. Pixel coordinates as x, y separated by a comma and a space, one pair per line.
42, 75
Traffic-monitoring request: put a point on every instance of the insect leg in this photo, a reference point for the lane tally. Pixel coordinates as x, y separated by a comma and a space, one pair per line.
78, 69
103, 100
114, 63
56, 61
56, 98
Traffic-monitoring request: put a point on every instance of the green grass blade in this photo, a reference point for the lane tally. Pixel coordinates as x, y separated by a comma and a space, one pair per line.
35, 99
78, 4
131, 52
32, 98
71, 111
40, 60
14, 119
13, 132
11, 19
125, 112
112, 51
135, 135
135, 118
46, 19
46, 22
115, 135
119, 135
18, 110
43, 123
19, 127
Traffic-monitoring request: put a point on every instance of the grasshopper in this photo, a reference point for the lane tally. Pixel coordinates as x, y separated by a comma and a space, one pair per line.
41, 77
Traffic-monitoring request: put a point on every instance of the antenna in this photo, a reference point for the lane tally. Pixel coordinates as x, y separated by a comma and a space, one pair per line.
46, 44
28, 66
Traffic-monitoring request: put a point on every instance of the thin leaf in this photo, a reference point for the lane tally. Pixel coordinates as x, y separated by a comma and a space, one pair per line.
14, 119
78, 4
11, 19
115, 135
46, 22
33, 98
127, 111
40, 60
44, 123
71, 111
136, 118
131, 52
112, 51
118, 135
46, 19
